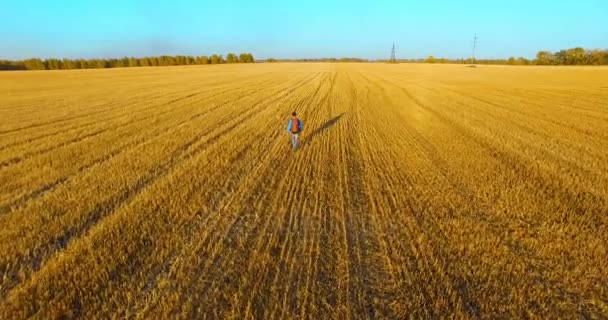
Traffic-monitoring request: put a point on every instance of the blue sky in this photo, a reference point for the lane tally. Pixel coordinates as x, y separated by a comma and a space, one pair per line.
298, 29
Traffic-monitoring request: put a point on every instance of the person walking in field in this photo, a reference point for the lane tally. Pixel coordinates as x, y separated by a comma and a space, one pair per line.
294, 127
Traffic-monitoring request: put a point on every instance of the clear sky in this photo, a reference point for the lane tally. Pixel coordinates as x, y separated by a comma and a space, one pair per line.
298, 29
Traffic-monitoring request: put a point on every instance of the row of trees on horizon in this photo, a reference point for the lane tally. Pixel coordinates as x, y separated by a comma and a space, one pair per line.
319, 60
66, 64
573, 56
567, 57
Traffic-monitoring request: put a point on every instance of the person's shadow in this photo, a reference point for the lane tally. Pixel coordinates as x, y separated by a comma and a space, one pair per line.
326, 126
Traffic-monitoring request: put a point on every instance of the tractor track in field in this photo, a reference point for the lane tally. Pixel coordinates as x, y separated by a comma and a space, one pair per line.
421, 224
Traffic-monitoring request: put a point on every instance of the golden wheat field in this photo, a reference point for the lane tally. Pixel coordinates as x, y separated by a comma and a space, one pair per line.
419, 191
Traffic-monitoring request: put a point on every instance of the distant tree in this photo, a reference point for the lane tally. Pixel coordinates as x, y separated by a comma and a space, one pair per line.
596, 57
143, 62
430, 59
154, 61
166, 61
202, 60
511, 61
545, 58
271, 60
179, 60
33, 64
231, 58
112, 63
575, 56
217, 59
132, 62
246, 58
560, 58
123, 62
53, 64
351, 60
11, 65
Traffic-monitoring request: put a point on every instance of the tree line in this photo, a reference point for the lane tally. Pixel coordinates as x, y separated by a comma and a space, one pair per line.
573, 56
66, 64
568, 57
347, 59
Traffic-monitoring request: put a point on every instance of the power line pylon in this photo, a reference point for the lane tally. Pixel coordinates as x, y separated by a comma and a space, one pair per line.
475, 42
393, 57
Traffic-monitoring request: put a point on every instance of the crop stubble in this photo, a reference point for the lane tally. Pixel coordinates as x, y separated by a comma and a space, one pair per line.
418, 190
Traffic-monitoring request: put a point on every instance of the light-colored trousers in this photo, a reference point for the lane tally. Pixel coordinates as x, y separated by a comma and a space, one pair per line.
295, 138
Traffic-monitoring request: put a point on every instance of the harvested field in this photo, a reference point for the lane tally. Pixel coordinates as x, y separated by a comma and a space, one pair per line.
422, 191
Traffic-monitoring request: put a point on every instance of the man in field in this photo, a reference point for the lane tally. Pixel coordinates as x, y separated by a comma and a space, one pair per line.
294, 127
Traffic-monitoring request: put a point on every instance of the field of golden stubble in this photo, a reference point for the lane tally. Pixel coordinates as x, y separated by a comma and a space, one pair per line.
419, 191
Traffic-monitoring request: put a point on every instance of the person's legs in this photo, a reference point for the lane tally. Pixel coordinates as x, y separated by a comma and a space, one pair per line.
294, 141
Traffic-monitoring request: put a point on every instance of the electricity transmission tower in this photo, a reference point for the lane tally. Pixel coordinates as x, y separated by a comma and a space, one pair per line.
393, 57
475, 42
